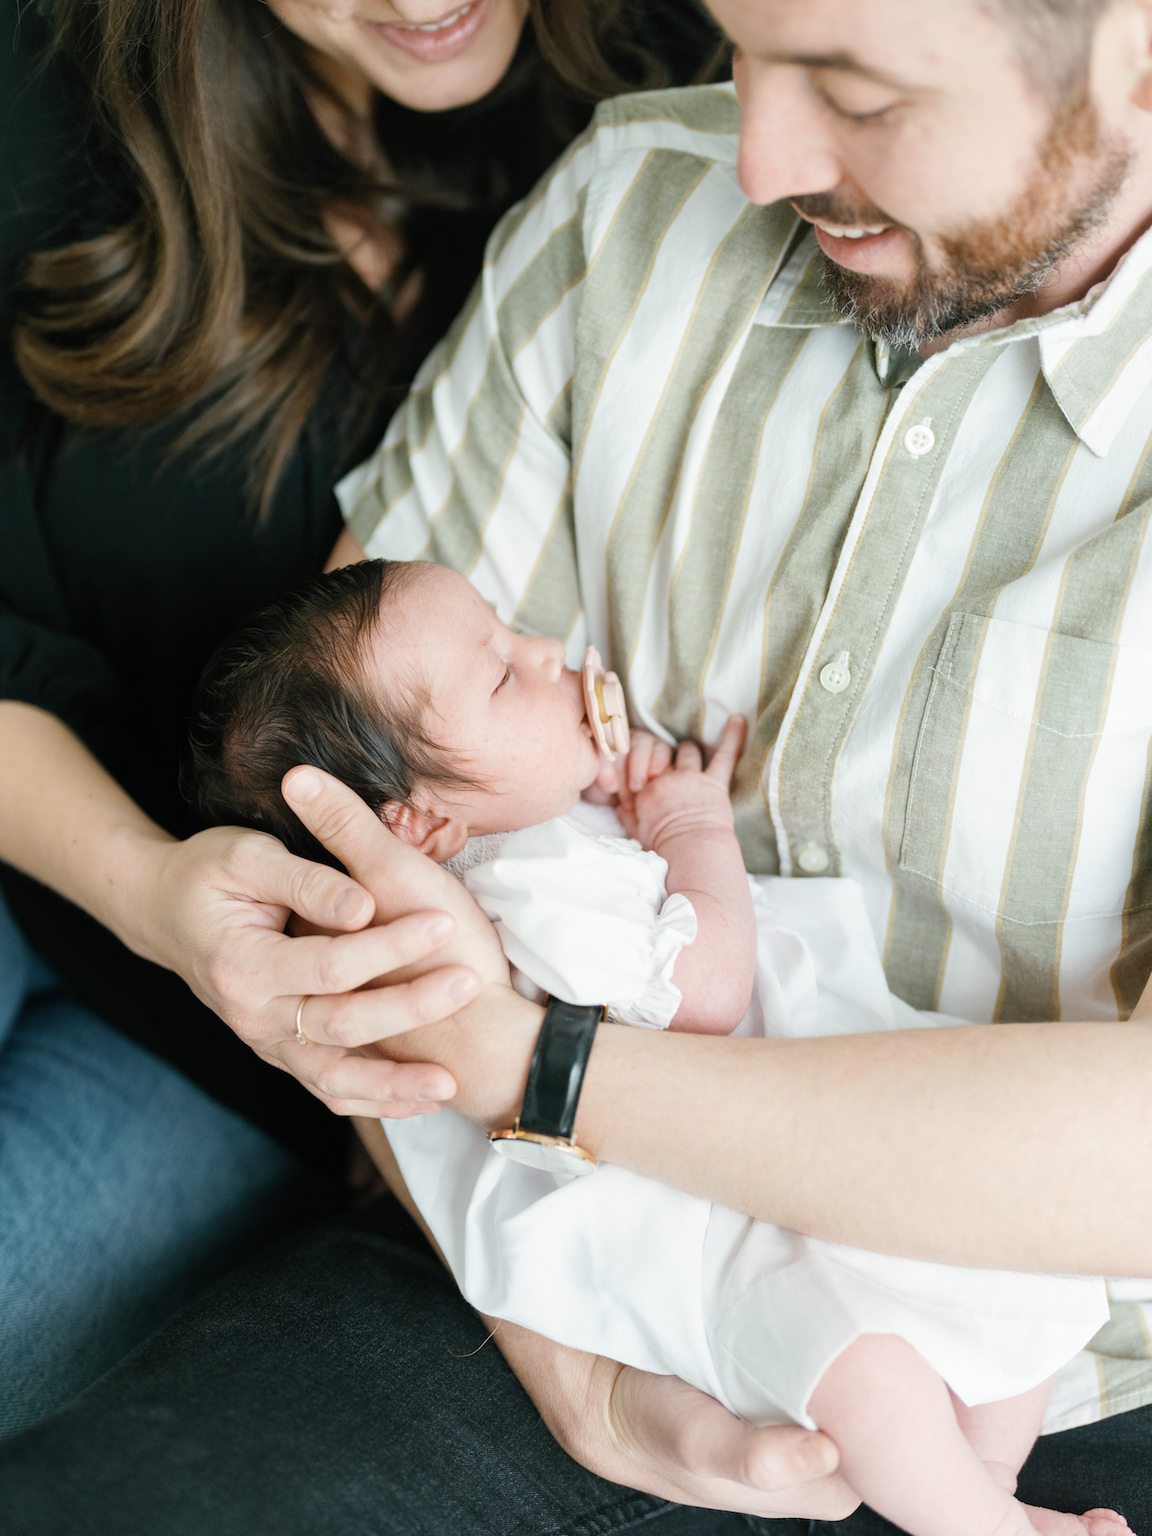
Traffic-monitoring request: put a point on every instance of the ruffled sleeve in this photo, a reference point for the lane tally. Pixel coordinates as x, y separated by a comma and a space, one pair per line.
588, 919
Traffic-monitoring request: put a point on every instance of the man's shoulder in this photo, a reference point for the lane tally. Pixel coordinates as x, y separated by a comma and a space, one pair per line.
701, 120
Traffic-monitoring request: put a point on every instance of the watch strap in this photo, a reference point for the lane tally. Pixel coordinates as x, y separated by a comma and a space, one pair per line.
556, 1072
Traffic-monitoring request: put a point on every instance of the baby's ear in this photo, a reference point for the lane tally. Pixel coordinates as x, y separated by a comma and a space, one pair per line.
440, 837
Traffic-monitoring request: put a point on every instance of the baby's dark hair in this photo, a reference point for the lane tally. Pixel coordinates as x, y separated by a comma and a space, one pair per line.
289, 688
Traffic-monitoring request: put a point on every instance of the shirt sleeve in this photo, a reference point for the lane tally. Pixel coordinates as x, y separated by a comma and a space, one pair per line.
588, 919
41, 662
474, 471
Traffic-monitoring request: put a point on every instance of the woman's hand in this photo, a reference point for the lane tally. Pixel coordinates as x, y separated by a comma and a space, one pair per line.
659, 1435
213, 910
220, 903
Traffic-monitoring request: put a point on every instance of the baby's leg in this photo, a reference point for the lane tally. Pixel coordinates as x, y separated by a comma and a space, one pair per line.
903, 1451
1002, 1434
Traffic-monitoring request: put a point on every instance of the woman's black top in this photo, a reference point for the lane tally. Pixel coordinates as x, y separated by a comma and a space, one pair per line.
121, 571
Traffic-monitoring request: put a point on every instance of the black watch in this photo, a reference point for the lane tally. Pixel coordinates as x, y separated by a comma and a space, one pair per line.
542, 1135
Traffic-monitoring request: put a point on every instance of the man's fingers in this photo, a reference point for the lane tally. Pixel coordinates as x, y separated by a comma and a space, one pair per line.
324, 896
363, 1018
365, 1085
337, 817
728, 749
342, 964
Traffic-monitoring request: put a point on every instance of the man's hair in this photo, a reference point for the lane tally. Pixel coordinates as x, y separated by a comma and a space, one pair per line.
1053, 41
289, 688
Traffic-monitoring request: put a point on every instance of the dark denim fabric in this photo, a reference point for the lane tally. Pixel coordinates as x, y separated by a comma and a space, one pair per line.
335, 1386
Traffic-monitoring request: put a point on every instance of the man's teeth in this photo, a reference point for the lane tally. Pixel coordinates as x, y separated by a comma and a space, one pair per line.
850, 231
439, 26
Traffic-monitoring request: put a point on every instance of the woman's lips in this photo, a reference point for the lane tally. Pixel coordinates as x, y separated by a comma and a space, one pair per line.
436, 42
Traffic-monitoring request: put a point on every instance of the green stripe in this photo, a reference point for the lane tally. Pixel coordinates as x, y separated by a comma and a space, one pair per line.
551, 601
619, 275
395, 476
540, 288
479, 466
1011, 529
1070, 714
809, 303
868, 595
850, 424
1133, 966
728, 298
1092, 367
698, 592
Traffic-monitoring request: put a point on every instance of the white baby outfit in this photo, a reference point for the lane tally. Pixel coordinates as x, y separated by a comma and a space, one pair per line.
623, 1266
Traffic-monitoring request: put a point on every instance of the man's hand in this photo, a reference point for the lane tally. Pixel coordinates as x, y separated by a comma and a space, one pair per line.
659, 1435
486, 1046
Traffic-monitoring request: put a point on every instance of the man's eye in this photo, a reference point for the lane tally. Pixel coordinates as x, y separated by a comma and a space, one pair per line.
854, 105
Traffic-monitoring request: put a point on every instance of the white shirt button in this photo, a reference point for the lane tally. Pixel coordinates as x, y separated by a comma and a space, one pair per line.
920, 439
834, 675
813, 859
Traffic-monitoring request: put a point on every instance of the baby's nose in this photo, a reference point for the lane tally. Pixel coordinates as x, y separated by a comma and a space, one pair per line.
550, 655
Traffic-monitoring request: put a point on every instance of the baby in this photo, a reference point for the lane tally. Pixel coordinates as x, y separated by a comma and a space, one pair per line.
474, 744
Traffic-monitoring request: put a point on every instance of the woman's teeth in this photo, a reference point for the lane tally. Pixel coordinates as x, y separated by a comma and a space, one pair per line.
435, 26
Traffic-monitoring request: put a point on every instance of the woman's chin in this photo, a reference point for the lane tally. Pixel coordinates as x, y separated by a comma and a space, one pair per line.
437, 72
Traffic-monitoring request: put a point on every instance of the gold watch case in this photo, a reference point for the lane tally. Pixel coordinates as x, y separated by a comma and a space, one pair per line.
551, 1153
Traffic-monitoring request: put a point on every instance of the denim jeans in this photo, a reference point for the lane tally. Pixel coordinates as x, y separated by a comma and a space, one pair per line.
123, 1190
337, 1385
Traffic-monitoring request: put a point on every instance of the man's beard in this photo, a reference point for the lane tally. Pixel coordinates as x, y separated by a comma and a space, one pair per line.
988, 266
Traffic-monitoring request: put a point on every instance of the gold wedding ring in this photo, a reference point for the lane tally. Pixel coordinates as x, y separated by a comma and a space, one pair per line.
301, 1037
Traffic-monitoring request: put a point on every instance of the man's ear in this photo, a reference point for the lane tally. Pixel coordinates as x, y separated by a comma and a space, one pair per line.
439, 837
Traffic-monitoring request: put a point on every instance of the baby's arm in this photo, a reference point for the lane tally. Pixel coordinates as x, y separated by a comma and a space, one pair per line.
681, 810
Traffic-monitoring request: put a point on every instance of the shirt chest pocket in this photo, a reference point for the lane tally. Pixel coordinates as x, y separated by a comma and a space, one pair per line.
1030, 772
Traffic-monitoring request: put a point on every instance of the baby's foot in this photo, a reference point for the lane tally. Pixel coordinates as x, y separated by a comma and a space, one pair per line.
1097, 1522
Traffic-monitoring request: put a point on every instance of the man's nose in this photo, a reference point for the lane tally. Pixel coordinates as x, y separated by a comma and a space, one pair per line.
785, 146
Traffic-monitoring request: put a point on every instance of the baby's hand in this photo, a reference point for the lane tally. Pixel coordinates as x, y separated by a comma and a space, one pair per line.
660, 800
647, 757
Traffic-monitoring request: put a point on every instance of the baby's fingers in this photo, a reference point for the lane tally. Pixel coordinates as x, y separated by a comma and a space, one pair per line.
648, 759
728, 750
688, 757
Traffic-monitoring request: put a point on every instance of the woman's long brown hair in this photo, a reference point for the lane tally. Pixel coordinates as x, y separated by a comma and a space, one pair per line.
218, 298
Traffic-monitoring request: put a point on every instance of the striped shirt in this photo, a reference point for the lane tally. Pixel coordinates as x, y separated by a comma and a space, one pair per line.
927, 583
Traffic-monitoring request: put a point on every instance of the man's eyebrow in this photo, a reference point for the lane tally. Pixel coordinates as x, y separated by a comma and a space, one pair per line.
843, 61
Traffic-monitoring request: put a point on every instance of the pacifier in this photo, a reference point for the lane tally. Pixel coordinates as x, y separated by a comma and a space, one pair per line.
605, 707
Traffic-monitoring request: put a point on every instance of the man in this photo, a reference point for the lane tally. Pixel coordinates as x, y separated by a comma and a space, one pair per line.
837, 429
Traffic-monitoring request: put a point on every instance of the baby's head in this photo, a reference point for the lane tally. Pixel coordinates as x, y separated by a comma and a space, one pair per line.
398, 679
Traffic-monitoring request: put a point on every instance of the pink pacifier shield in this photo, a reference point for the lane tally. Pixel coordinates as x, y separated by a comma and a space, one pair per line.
604, 706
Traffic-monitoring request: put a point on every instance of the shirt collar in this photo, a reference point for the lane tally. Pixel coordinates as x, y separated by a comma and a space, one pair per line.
1095, 354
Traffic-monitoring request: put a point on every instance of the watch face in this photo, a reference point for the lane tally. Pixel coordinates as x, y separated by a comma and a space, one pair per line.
547, 1152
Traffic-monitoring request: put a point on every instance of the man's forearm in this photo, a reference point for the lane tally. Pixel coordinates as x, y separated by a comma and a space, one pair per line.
1021, 1147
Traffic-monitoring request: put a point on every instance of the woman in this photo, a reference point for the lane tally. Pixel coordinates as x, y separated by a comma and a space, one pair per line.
233, 230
